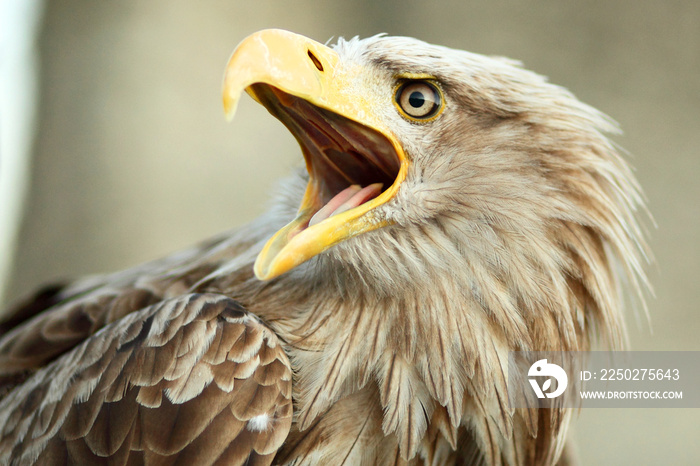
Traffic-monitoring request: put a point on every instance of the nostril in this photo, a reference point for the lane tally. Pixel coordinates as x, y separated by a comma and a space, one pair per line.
316, 61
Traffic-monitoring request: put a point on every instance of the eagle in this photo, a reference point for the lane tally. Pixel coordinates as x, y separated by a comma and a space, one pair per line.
453, 208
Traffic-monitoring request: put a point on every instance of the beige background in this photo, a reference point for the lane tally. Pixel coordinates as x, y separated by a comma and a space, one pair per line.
134, 159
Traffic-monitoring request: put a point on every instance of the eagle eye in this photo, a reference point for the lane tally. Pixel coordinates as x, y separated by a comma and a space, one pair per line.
419, 99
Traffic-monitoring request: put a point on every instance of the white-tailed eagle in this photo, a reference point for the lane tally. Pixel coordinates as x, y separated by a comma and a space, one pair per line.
454, 207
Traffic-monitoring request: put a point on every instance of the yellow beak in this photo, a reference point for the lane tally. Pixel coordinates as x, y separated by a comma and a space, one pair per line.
291, 66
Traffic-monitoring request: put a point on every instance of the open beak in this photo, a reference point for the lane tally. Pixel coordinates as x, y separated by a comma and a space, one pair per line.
355, 163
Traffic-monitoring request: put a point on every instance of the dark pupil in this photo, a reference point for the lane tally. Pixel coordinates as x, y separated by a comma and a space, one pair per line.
416, 99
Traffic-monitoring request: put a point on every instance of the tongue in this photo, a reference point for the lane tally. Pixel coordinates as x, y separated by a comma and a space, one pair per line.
347, 199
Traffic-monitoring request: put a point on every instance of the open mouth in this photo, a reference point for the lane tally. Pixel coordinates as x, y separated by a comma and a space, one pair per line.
355, 162
349, 164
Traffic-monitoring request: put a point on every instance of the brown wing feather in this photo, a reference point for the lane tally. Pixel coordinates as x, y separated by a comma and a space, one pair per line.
191, 380
55, 320
26, 309
38, 341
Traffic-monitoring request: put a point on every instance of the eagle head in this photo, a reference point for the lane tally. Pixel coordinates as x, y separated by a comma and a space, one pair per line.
473, 207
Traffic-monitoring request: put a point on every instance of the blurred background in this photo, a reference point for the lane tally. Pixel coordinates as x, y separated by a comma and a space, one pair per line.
128, 156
